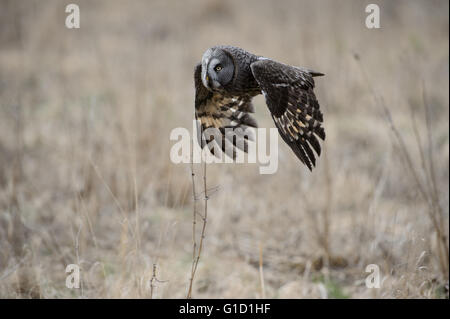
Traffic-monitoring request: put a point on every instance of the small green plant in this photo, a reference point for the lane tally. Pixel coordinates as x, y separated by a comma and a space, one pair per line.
334, 290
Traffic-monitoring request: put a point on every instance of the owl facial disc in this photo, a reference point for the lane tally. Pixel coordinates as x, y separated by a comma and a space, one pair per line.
217, 68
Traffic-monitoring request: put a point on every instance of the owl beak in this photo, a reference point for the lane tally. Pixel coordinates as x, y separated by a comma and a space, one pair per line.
207, 81
205, 77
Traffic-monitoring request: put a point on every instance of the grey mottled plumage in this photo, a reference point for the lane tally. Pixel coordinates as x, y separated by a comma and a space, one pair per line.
226, 81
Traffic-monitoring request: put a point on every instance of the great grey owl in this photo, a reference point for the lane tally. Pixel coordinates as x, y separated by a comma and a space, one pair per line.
229, 77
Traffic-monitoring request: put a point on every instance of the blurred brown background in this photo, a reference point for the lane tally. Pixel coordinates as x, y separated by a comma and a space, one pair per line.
85, 175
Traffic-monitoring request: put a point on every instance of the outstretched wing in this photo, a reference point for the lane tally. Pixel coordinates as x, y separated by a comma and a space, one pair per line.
222, 119
294, 108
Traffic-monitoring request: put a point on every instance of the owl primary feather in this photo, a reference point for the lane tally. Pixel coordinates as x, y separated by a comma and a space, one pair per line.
229, 77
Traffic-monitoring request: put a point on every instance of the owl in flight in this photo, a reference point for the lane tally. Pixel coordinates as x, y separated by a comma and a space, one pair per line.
228, 78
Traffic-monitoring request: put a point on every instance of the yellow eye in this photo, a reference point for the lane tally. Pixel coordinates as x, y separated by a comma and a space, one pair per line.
218, 68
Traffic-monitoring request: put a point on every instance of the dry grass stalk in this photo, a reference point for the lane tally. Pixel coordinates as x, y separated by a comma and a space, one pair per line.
427, 188
196, 253
154, 280
261, 273
324, 234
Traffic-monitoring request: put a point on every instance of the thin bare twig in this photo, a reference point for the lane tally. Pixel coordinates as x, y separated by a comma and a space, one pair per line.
434, 194
194, 213
196, 253
428, 188
153, 280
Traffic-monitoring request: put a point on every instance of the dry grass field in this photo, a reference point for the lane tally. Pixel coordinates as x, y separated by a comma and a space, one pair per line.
85, 174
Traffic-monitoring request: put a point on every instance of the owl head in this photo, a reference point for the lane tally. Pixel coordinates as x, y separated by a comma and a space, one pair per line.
217, 68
